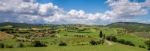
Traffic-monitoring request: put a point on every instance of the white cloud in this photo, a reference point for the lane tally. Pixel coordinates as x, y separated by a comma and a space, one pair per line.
29, 11
125, 9
47, 9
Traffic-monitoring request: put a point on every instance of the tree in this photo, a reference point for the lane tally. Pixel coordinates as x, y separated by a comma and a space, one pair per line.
101, 34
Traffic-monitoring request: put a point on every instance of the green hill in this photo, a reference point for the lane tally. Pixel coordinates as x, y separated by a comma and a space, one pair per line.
131, 26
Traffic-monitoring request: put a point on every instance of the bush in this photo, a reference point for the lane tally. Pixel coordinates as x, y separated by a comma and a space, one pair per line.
148, 49
94, 42
121, 41
2, 45
111, 38
39, 44
21, 45
129, 43
102, 41
141, 46
148, 44
62, 44
9, 46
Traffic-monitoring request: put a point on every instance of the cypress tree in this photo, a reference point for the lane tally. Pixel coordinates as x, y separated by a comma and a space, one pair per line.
101, 34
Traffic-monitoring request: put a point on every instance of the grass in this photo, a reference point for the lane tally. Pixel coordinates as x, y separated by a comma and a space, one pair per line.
114, 47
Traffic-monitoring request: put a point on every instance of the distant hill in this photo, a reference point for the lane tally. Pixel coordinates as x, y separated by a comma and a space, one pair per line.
132, 26
22, 25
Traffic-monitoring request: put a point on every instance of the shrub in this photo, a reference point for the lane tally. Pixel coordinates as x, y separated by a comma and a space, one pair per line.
62, 44
102, 41
2, 45
21, 45
111, 38
39, 44
94, 42
129, 43
9, 46
148, 49
148, 44
141, 46
121, 41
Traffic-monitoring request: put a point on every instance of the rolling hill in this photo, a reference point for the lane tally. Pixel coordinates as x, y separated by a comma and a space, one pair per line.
131, 26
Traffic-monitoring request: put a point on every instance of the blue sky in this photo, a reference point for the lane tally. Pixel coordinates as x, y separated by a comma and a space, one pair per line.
91, 6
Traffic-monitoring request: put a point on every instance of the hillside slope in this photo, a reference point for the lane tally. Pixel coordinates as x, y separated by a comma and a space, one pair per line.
4, 36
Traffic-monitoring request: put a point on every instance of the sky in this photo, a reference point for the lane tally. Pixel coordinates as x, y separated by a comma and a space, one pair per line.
90, 6
74, 11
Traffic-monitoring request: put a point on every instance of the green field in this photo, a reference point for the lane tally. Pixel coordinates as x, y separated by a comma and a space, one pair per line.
115, 47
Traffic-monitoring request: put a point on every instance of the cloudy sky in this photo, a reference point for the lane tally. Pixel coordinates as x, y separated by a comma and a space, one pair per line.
74, 11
